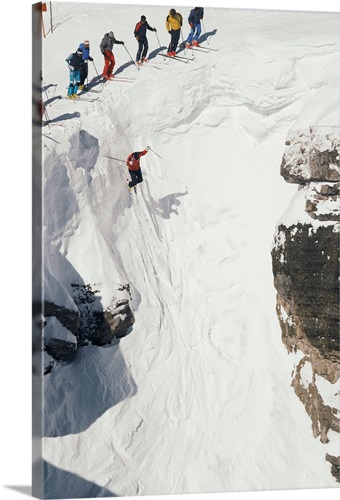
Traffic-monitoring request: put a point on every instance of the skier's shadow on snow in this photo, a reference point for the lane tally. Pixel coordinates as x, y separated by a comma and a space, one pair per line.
46, 87
168, 205
96, 80
153, 54
205, 36
51, 100
62, 118
124, 66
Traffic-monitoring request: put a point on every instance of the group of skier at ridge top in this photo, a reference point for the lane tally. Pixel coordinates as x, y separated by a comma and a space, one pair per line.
78, 63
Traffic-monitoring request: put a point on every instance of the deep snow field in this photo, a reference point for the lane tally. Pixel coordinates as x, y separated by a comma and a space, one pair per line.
197, 399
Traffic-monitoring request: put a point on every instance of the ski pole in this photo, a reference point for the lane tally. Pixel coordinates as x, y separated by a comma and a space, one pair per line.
112, 158
96, 72
159, 43
185, 50
95, 68
46, 116
155, 153
205, 33
131, 57
44, 84
121, 171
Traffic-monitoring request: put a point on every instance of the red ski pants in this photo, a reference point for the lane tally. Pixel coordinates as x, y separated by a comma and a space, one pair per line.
109, 62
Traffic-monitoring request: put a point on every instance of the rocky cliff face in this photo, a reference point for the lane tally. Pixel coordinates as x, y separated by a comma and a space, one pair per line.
305, 258
66, 330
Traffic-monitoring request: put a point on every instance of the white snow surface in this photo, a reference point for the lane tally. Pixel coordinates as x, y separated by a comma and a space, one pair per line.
197, 398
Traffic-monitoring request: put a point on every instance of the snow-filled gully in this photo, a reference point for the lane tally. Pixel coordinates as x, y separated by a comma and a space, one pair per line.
206, 378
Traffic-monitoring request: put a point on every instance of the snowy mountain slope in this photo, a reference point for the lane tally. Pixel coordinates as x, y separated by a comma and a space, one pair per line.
203, 402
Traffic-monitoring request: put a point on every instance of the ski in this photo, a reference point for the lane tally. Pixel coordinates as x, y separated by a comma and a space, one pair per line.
150, 65
81, 98
86, 90
208, 48
123, 80
183, 57
200, 49
175, 58
154, 63
114, 77
77, 99
130, 188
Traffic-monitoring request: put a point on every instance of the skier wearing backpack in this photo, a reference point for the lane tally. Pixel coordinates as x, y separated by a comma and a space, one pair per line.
194, 21
74, 63
84, 69
140, 34
133, 164
173, 25
106, 49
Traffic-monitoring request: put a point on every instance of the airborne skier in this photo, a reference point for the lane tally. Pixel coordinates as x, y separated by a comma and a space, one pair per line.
133, 164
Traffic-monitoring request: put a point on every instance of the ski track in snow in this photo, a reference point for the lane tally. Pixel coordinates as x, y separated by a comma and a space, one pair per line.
206, 378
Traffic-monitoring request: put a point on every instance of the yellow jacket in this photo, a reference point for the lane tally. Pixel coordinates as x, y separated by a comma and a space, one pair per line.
174, 22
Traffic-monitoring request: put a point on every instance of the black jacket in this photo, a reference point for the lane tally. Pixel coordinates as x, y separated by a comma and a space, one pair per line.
140, 30
74, 60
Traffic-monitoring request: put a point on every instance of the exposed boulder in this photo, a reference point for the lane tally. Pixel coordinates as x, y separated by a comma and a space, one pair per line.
61, 349
59, 342
312, 155
111, 324
65, 330
68, 318
305, 257
100, 326
335, 462
305, 267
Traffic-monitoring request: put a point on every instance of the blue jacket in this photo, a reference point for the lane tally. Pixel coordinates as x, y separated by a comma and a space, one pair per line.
86, 52
196, 15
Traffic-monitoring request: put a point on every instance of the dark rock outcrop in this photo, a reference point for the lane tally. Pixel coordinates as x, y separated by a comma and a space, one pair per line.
69, 319
305, 259
110, 324
61, 349
89, 324
306, 278
335, 462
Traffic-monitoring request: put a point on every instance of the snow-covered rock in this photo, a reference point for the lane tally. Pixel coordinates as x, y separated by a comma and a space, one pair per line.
312, 155
306, 265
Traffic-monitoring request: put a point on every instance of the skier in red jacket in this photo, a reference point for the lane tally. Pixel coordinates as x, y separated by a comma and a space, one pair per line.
133, 164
